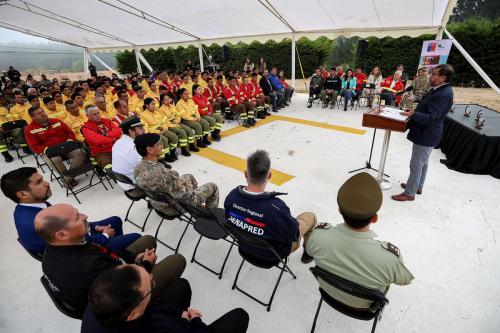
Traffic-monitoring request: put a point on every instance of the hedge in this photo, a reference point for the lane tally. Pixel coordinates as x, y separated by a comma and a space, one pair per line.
480, 38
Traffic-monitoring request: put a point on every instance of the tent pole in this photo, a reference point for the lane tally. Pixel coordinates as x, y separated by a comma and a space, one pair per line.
145, 62
293, 60
439, 35
137, 60
86, 73
103, 63
200, 55
473, 63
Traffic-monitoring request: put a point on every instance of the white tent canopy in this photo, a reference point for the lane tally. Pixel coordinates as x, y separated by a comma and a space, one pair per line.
100, 25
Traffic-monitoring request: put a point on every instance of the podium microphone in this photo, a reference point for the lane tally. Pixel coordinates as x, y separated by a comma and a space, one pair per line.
410, 88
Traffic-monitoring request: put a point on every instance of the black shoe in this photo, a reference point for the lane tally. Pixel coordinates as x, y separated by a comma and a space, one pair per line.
306, 258
345, 108
309, 103
206, 141
246, 123
173, 154
8, 157
168, 158
185, 151
165, 164
201, 144
192, 147
267, 113
286, 104
27, 151
252, 121
216, 135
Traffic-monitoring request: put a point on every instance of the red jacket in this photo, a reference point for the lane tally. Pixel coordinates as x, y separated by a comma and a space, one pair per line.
204, 106
100, 137
39, 138
386, 85
233, 95
257, 92
166, 85
285, 84
213, 94
360, 80
248, 92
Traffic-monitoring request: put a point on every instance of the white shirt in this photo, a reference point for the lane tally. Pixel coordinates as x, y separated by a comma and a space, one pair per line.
125, 159
41, 205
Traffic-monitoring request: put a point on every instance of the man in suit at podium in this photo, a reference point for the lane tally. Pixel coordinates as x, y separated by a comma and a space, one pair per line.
426, 128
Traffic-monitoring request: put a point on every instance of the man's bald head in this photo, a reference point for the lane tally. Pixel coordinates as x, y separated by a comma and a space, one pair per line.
61, 224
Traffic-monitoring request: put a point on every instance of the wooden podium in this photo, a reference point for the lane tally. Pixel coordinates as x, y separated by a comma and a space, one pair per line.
389, 123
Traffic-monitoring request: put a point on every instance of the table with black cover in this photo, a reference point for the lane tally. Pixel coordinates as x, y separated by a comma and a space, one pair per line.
468, 149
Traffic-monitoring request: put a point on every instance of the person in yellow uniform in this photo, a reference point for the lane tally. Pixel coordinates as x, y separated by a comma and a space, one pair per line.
203, 81
75, 119
136, 102
58, 98
154, 93
78, 99
4, 117
89, 95
107, 113
187, 84
154, 120
66, 93
20, 109
172, 121
191, 117
51, 109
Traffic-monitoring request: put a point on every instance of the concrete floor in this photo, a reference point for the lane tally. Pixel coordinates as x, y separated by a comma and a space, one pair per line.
448, 237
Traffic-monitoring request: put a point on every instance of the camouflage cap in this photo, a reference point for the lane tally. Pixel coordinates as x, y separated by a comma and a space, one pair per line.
360, 197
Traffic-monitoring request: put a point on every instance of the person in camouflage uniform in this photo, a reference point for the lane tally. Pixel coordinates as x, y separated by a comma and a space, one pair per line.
152, 175
420, 88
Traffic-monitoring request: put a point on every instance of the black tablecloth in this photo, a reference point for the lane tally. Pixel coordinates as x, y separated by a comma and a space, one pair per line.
471, 150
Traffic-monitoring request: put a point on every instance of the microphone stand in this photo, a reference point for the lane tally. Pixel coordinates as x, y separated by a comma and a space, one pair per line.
368, 164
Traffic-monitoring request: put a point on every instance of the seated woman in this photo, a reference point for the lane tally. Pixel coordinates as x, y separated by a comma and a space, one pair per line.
390, 87
191, 118
286, 86
376, 79
172, 121
348, 88
206, 112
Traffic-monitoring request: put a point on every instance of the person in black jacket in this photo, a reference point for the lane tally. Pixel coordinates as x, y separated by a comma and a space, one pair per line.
426, 128
120, 301
263, 215
267, 88
331, 89
71, 264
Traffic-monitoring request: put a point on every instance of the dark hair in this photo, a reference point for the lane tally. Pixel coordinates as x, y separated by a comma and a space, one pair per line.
180, 92
15, 181
137, 88
143, 149
356, 224
68, 102
195, 86
347, 71
54, 93
162, 96
32, 97
114, 294
116, 104
121, 91
147, 101
74, 95
446, 70
31, 110
258, 166
18, 93
47, 100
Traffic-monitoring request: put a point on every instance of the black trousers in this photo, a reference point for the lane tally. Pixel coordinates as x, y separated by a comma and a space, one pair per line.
235, 321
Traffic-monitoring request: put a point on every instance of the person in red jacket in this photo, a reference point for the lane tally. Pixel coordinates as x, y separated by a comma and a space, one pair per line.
100, 135
249, 92
213, 94
235, 100
206, 112
43, 132
360, 81
263, 101
390, 87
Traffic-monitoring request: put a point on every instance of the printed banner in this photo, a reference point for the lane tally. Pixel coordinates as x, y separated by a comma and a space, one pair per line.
434, 52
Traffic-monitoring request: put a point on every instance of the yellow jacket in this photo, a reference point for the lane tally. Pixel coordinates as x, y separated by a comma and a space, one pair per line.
189, 87
188, 110
172, 115
155, 96
109, 114
20, 112
4, 115
202, 83
154, 121
135, 105
58, 114
76, 123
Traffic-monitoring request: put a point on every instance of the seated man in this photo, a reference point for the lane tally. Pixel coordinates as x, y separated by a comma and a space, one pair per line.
100, 135
315, 87
350, 251
43, 132
124, 155
52, 110
153, 175
390, 87
71, 264
420, 88
26, 187
75, 119
332, 87
278, 87
120, 301
122, 111
263, 215
275, 97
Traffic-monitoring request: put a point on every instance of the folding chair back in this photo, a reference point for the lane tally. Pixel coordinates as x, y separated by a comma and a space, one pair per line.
122, 178
10, 125
65, 308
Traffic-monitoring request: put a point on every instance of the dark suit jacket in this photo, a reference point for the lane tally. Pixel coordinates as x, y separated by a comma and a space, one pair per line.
266, 86
426, 125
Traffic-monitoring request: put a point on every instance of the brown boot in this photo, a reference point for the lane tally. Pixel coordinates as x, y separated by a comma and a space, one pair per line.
419, 191
403, 197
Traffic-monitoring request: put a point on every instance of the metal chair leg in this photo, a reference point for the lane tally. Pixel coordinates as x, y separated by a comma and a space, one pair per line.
238, 274
225, 260
374, 324
316, 316
146, 220
196, 248
275, 288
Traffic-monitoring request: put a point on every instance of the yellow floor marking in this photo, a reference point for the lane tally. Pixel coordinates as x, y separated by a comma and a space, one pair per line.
239, 129
234, 162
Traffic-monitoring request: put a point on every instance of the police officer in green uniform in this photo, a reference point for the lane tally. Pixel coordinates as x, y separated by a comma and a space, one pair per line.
349, 249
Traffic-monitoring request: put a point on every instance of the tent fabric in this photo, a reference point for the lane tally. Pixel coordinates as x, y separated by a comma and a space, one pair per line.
101, 25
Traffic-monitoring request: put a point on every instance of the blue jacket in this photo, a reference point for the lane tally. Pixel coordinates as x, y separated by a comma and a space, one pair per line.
24, 218
265, 216
275, 82
426, 124
352, 85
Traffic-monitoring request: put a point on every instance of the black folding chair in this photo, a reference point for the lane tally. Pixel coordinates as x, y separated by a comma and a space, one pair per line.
376, 296
207, 224
135, 194
180, 215
12, 125
281, 263
62, 150
35, 255
65, 308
